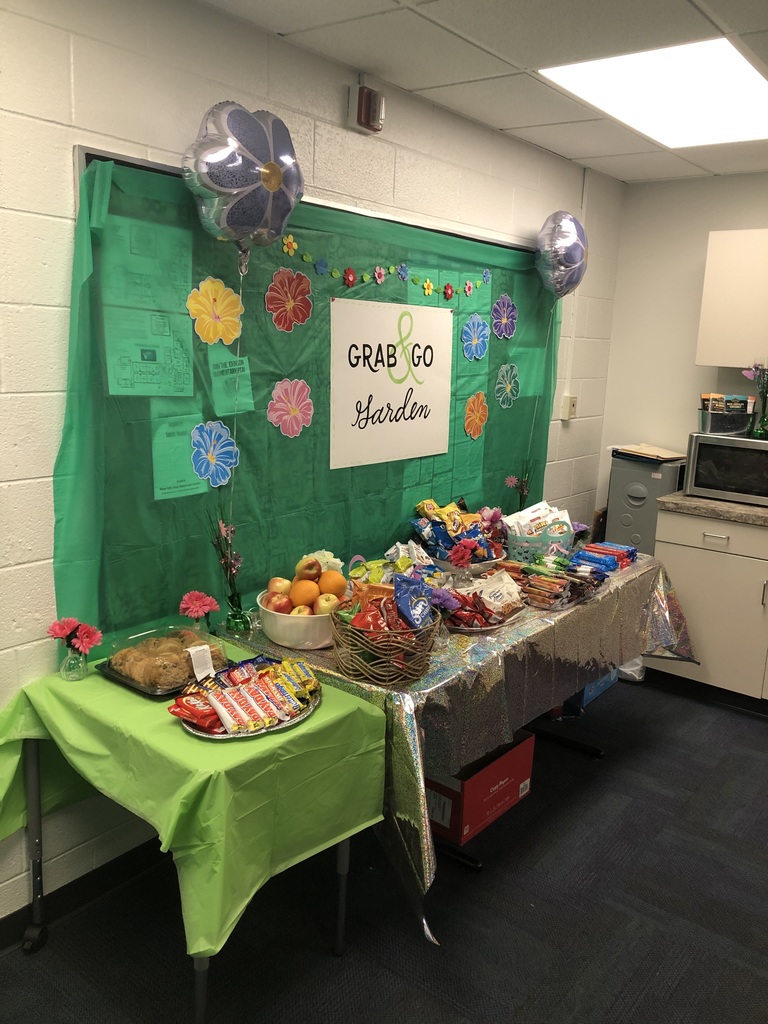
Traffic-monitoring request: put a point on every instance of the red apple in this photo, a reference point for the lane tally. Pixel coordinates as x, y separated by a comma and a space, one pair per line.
279, 585
308, 569
302, 609
325, 604
276, 602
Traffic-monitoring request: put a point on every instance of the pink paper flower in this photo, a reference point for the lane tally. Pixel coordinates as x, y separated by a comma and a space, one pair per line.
291, 408
86, 637
195, 604
468, 287
379, 274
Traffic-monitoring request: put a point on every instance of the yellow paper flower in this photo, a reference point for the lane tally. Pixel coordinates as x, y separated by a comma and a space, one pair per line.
289, 245
216, 311
428, 287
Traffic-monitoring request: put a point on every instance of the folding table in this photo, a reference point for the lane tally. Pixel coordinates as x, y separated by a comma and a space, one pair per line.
233, 813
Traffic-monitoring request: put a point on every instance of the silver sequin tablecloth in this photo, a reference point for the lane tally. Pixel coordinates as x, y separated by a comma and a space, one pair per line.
480, 689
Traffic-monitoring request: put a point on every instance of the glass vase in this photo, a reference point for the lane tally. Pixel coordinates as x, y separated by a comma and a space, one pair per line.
237, 620
74, 665
760, 429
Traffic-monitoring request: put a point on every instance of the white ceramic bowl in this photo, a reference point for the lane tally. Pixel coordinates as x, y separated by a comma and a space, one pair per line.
302, 632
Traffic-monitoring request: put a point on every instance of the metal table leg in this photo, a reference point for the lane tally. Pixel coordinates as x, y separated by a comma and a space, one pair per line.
201, 986
342, 870
36, 934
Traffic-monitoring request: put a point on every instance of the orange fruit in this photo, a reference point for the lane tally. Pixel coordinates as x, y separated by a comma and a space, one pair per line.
332, 582
304, 592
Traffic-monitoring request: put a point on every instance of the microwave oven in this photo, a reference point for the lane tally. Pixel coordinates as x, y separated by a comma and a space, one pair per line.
727, 467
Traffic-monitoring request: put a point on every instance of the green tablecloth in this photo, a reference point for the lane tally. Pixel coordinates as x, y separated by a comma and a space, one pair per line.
232, 813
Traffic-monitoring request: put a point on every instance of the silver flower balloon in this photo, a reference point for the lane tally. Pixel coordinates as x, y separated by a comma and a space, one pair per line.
561, 253
243, 172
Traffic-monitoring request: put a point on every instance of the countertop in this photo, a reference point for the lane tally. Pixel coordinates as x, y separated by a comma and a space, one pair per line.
712, 508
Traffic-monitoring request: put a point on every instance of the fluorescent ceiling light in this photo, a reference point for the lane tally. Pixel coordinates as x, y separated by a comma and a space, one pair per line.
699, 94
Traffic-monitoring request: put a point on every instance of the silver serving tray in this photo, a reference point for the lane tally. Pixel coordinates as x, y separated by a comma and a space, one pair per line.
193, 730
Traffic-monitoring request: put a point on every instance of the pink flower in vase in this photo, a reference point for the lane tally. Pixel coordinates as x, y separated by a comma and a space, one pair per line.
86, 638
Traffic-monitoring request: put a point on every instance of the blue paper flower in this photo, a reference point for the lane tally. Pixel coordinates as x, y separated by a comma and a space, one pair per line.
402, 272
486, 277
244, 173
475, 336
214, 453
504, 316
507, 386
321, 267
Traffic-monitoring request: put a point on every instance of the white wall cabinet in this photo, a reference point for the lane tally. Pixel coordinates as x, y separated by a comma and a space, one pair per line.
719, 570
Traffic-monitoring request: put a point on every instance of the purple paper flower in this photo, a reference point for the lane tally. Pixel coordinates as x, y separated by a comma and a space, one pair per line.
504, 316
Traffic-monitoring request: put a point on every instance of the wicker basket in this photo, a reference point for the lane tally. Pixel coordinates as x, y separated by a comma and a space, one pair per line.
380, 656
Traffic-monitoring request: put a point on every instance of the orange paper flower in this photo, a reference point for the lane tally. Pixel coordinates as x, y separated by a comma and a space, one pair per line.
216, 311
475, 415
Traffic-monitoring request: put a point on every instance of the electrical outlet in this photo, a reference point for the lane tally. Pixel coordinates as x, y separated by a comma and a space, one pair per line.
568, 407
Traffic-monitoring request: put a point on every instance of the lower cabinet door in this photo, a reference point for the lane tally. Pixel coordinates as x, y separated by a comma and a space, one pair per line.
722, 597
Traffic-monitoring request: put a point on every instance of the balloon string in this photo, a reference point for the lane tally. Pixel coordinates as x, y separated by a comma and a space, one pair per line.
536, 403
238, 368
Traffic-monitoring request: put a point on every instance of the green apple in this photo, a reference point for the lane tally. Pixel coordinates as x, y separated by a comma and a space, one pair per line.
324, 604
302, 609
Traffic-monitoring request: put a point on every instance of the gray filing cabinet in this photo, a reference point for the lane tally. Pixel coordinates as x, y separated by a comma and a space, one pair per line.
634, 487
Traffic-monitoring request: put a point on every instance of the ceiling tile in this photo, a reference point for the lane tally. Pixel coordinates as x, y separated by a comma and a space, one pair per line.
736, 158
644, 166
550, 32
294, 15
402, 48
586, 138
757, 43
513, 101
741, 15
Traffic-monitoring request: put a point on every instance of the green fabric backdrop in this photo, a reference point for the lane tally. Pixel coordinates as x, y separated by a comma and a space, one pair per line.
122, 557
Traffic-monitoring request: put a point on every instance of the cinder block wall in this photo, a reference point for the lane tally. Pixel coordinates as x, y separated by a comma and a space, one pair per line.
135, 79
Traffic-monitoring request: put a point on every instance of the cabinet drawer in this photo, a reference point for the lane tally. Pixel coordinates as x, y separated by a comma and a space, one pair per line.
712, 534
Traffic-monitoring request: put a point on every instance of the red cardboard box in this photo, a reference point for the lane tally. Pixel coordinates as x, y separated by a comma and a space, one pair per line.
460, 806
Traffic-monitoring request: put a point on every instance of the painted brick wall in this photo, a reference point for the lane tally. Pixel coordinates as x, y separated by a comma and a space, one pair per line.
135, 79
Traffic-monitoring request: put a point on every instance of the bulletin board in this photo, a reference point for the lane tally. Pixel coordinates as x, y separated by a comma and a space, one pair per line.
131, 530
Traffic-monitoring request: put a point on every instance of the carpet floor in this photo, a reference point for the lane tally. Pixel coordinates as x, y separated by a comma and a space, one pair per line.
627, 890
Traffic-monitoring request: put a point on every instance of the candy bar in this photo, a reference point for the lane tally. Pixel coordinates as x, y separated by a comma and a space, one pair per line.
264, 707
232, 718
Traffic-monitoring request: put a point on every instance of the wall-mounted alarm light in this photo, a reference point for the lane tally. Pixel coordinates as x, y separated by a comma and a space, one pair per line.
366, 109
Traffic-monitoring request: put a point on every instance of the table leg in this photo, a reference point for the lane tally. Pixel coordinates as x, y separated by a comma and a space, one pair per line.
342, 870
36, 933
202, 964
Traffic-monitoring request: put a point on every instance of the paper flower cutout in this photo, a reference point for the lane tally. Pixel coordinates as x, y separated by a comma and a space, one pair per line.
244, 174
289, 245
507, 385
428, 287
216, 311
475, 336
291, 408
504, 317
468, 287
486, 277
349, 277
448, 292
287, 299
402, 272
321, 267
379, 274
214, 453
475, 415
